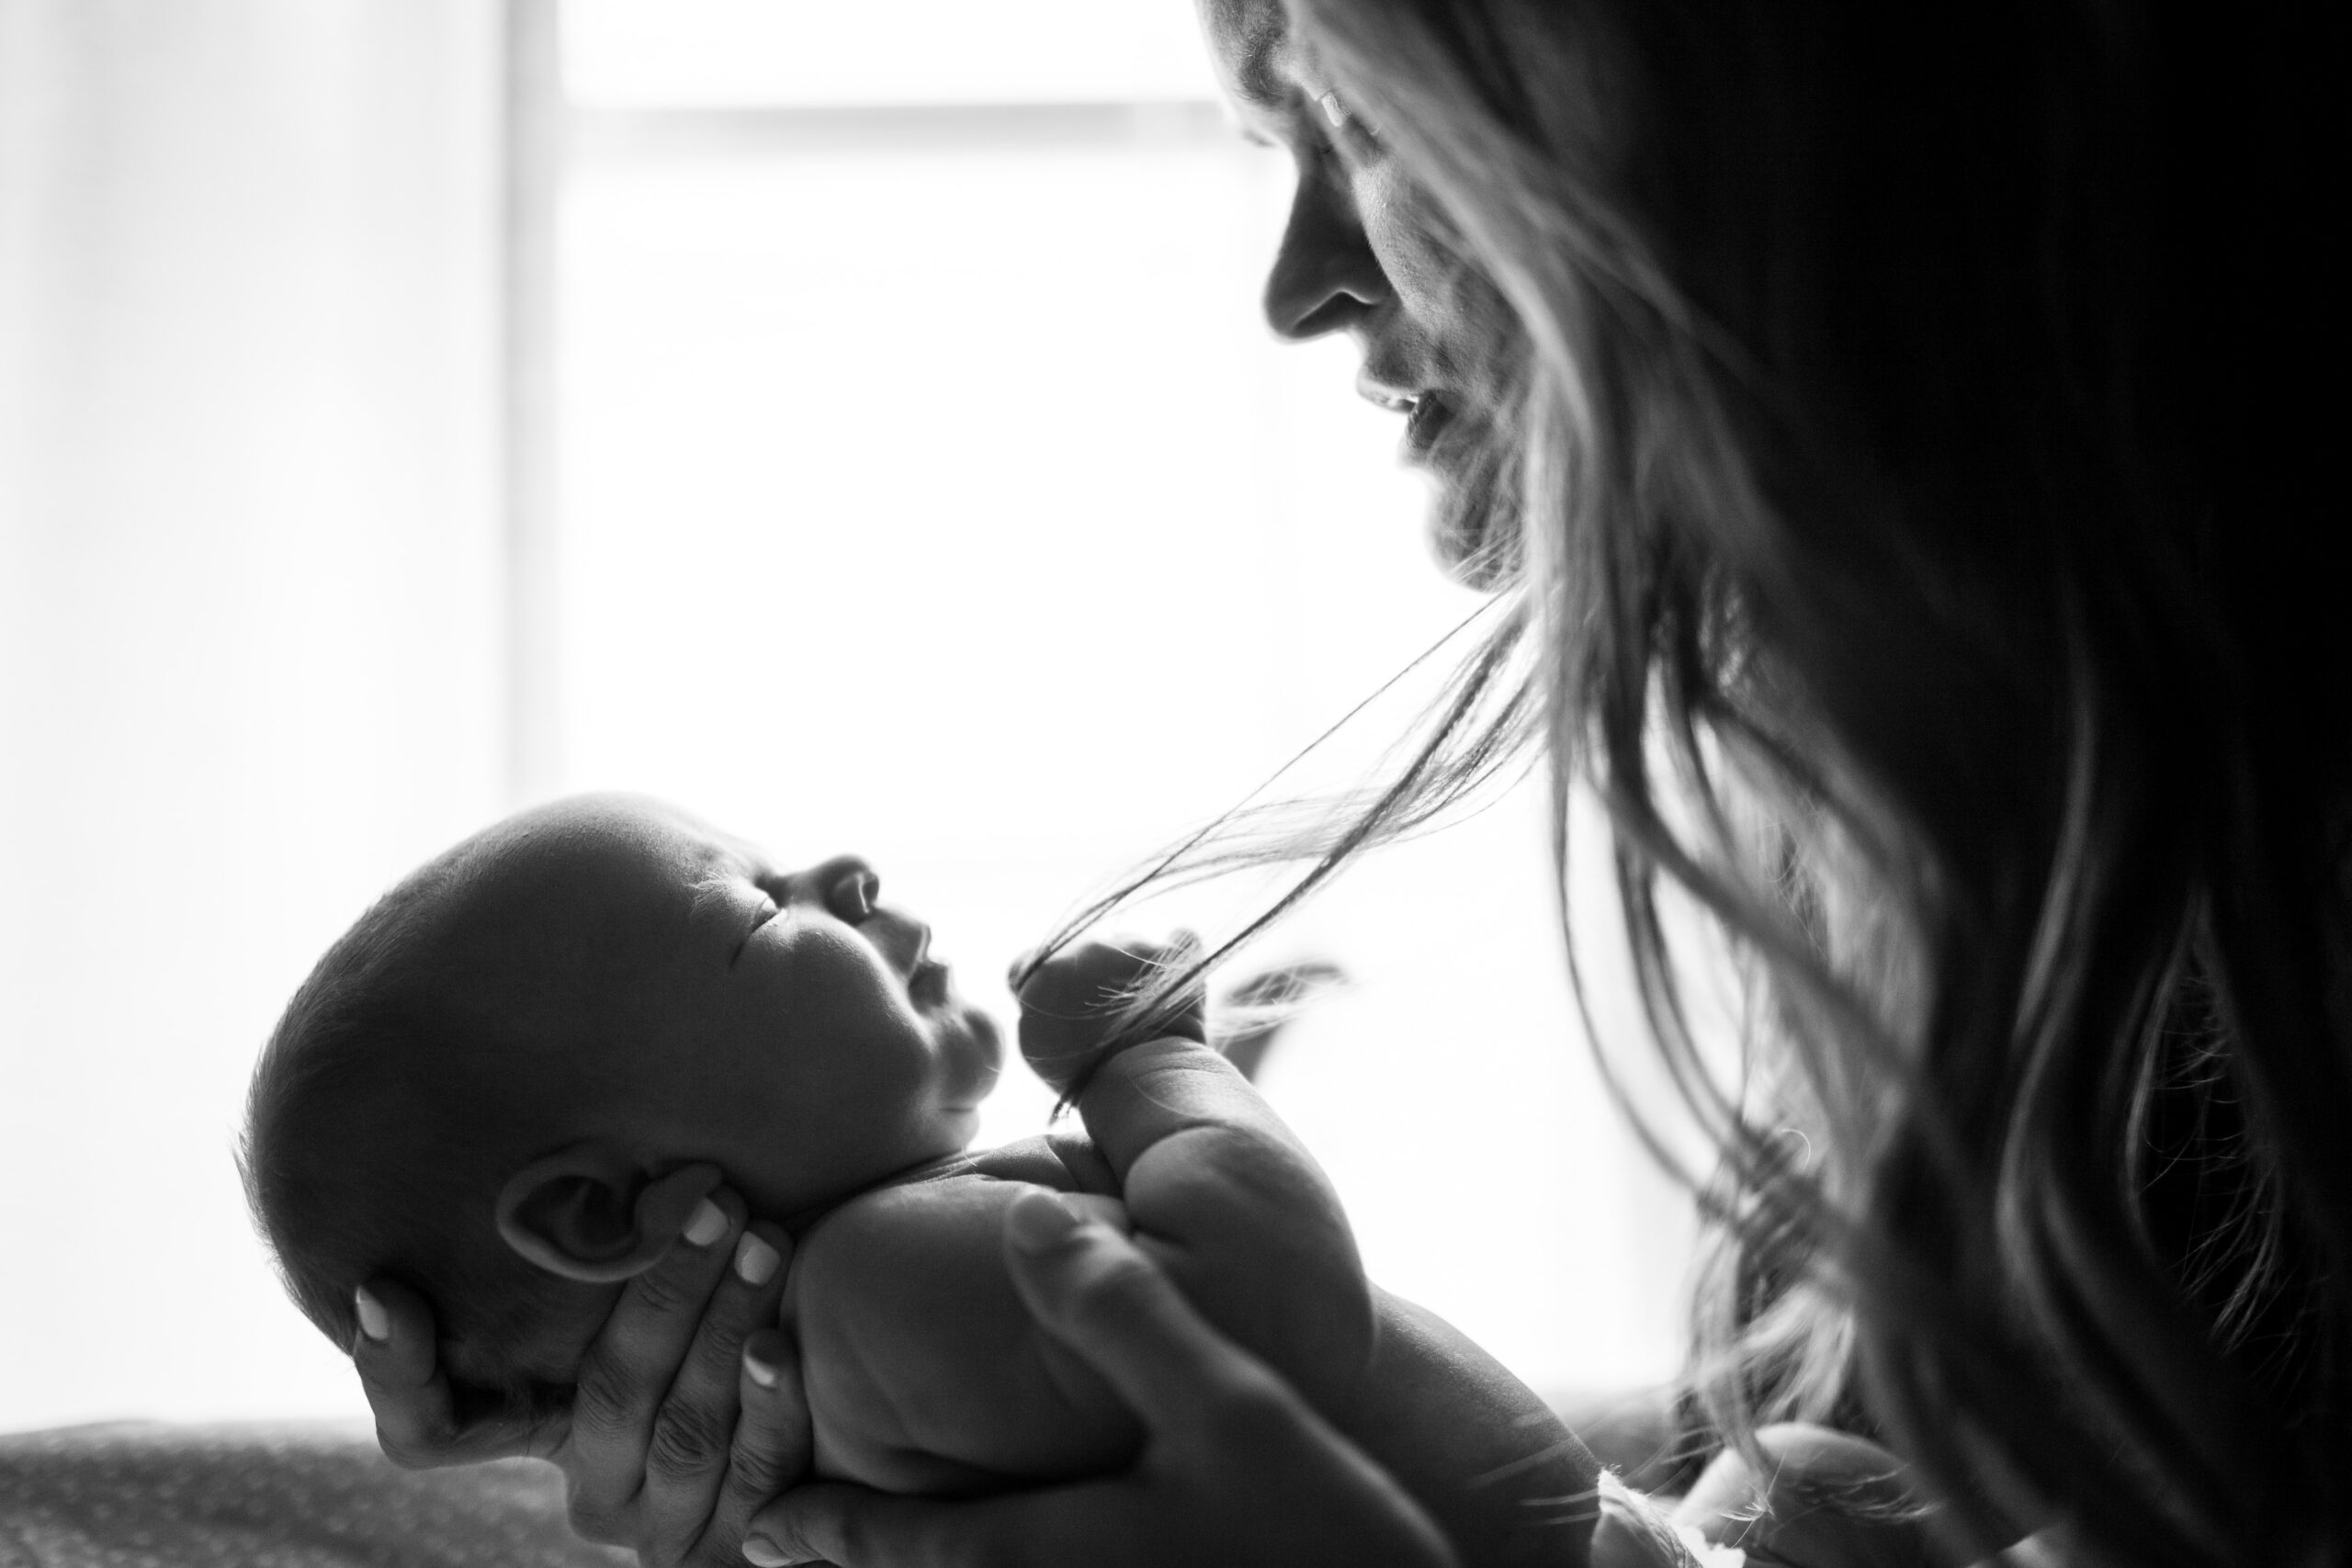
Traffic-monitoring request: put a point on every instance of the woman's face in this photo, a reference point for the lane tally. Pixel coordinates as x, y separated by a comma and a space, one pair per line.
1359, 254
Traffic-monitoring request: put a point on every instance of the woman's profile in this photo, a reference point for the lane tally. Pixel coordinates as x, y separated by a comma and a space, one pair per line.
1902, 440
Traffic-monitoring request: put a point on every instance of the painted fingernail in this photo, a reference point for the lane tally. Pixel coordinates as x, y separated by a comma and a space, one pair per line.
762, 1373
707, 1224
1038, 1222
755, 1261
374, 1321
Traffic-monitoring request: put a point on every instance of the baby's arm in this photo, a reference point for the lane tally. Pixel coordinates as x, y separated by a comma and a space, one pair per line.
1224, 1197
923, 1370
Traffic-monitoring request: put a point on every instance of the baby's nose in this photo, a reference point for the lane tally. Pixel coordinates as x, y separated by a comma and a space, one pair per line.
904, 942
851, 888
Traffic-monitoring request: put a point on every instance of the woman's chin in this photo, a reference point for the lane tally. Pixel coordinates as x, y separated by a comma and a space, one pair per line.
1473, 545
1472, 530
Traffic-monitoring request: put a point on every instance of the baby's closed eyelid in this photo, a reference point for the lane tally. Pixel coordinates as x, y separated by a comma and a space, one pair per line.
770, 909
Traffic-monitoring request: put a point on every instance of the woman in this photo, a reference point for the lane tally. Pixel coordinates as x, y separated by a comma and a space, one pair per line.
1901, 433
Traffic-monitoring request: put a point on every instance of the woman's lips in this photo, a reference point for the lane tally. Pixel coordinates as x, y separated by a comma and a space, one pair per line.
1428, 419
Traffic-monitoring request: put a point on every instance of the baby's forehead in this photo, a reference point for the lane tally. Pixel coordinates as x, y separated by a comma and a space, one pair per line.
599, 860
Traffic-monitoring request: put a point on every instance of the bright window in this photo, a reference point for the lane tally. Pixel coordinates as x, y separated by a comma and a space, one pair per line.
926, 484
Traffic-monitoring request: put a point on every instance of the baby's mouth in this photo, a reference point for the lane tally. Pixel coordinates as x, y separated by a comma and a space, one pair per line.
904, 944
928, 984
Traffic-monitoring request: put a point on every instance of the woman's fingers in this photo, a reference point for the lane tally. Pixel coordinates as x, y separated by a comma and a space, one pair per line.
671, 1442
698, 1430
850, 1527
1236, 1469
418, 1420
773, 1443
654, 1410
1090, 1287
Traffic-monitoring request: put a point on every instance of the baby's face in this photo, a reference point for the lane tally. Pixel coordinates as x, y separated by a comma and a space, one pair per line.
782, 1024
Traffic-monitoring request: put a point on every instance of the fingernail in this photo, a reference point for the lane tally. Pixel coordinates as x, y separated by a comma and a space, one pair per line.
755, 1261
762, 1373
708, 1224
1039, 1222
374, 1321
766, 1553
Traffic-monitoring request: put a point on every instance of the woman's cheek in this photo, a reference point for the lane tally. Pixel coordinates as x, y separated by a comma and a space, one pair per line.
1425, 274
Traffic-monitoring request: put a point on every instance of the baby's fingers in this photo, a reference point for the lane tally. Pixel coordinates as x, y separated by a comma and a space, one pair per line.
1074, 1005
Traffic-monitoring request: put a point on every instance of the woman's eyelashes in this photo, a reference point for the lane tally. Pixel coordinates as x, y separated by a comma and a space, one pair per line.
1339, 127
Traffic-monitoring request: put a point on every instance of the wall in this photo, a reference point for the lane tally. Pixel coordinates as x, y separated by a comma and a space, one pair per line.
249, 590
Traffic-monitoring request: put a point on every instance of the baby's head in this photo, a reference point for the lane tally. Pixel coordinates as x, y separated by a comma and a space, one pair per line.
508, 1085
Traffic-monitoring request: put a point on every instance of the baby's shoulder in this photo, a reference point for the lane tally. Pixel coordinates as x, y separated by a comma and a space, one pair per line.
942, 1219
980, 1180
1064, 1161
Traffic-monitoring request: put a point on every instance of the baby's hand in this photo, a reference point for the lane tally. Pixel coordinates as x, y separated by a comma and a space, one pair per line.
1073, 1006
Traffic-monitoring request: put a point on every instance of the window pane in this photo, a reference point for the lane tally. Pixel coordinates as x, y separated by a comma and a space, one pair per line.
958, 508
642, 54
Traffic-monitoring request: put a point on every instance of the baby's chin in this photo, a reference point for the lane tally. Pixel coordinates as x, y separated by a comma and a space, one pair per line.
972, 1059
957, 1129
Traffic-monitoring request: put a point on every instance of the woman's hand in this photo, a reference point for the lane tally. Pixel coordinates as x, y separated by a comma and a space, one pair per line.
687, 1414
1236, 1469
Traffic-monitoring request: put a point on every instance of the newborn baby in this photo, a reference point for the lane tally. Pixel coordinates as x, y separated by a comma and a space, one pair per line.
510, 1083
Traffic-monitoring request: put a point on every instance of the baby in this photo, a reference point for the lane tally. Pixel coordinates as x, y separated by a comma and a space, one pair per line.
510, 1083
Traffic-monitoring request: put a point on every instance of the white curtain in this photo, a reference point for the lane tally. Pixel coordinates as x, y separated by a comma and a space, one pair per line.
250, 599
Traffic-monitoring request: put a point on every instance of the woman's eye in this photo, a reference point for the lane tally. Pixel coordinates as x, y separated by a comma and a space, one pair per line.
1344, 134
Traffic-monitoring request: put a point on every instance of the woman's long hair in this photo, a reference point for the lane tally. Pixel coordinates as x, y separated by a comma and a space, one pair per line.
1926, 426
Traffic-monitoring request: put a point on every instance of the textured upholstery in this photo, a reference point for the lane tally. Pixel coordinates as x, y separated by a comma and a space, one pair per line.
142, 1495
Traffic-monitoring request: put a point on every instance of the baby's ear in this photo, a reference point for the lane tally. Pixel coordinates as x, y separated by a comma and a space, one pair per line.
590, 1212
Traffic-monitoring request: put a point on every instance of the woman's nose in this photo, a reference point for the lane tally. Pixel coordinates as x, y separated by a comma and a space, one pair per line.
1325, 274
